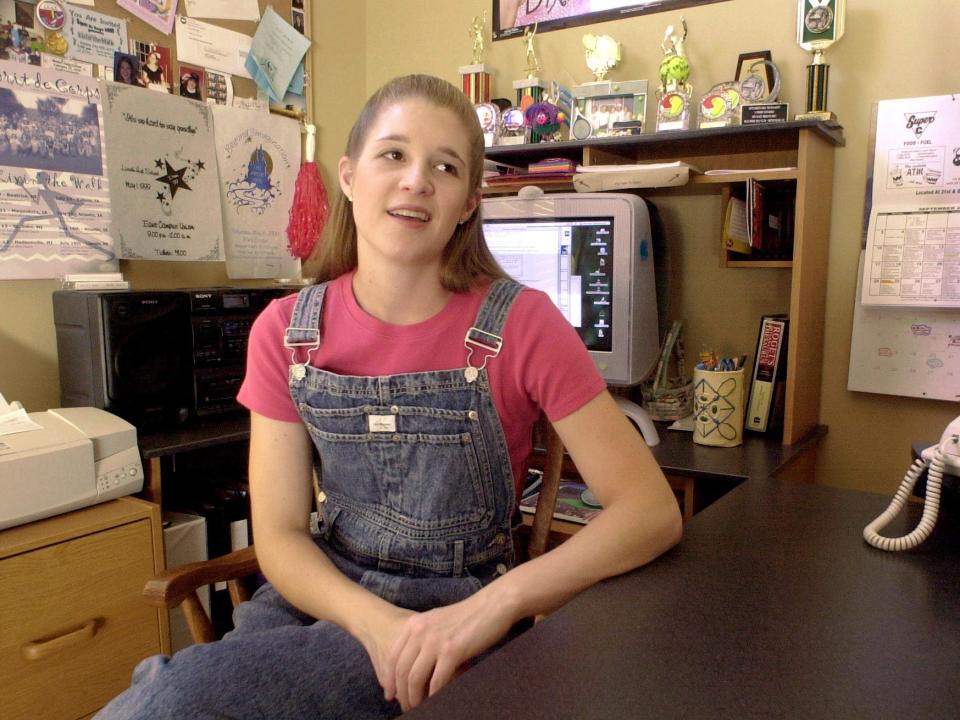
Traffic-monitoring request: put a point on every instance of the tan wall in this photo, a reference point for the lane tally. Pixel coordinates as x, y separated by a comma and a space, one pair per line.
887, 52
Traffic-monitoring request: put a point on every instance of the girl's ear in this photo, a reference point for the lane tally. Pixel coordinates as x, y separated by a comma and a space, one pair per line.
345, 174
471, 205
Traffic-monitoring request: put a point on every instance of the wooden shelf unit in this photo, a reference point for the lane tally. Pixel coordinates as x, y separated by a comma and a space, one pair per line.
801, 151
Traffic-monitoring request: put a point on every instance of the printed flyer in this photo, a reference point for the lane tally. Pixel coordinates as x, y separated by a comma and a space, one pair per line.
163, 175
259, 158
54, 194
913, 236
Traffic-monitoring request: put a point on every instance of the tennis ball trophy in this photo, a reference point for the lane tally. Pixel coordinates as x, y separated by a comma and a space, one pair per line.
674, 93
819, 25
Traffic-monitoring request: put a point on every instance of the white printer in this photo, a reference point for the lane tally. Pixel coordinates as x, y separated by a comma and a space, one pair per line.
80, 457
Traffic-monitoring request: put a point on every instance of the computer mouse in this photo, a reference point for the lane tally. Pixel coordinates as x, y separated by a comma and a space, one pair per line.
587, 498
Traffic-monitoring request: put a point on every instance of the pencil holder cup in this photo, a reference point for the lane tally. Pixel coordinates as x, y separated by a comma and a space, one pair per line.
718, 402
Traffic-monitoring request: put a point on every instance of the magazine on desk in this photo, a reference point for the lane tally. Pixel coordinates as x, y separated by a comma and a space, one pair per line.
570, 505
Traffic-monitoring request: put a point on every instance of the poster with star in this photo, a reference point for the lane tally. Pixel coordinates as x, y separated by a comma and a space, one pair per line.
258, 155
163, 176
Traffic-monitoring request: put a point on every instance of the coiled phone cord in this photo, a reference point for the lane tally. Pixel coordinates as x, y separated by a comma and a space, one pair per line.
930, 507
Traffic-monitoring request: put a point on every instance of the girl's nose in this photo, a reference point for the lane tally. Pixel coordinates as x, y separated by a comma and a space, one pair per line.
416, 179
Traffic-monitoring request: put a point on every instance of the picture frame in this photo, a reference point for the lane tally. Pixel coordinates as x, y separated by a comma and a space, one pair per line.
746, 60
511, 17
600, 105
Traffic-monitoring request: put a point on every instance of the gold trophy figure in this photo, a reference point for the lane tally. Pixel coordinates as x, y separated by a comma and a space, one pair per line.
533, 64
820, 23
476, 31
476, 76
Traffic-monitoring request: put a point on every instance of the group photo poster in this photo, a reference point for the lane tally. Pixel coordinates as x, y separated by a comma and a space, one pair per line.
54, 191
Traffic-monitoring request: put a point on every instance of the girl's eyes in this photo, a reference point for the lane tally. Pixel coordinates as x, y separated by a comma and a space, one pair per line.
444, 167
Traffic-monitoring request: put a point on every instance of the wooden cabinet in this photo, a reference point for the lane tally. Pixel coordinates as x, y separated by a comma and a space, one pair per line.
73, 622
799, 152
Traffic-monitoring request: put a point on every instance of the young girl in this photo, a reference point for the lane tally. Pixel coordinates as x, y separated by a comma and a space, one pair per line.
415, 371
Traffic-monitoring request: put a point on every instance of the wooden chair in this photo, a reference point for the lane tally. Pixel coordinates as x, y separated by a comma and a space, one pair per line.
239, 569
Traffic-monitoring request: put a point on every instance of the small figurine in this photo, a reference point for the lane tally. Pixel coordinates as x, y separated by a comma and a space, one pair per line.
674, 93
546, 119
476, 30
603, 54
674, 68
533, 64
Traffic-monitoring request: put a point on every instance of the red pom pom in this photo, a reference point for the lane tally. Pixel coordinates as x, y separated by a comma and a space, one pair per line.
308, 212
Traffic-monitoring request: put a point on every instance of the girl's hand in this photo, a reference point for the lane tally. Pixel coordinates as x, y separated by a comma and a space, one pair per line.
433, 647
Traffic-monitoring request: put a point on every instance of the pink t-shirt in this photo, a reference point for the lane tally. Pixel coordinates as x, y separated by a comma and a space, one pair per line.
543, 363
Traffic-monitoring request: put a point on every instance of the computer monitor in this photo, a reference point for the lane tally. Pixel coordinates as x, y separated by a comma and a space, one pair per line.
592, 254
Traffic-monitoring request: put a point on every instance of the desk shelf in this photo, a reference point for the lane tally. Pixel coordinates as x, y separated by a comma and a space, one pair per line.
806, 149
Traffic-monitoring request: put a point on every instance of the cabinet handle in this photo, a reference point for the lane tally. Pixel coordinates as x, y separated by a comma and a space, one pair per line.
39, 649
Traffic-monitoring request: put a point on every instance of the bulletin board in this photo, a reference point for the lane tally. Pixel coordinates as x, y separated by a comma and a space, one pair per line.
296, 12
93, 172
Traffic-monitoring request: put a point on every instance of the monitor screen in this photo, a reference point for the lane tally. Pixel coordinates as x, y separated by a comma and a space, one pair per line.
571, 260
591, 253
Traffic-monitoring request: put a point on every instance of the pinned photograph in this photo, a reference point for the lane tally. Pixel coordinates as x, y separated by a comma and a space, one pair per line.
126, 69
191, 82
155, 71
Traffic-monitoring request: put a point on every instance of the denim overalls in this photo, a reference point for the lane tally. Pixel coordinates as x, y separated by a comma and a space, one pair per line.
419, 498
415, 468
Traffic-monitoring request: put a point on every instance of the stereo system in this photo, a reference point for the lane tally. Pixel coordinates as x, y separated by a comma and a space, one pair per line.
156, 357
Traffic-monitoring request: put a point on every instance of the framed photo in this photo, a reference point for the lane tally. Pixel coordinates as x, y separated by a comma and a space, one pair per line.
510, 17
609, 113
765, 72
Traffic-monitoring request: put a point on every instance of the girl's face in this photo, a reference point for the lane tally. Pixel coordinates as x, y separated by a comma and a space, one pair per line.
410, 184
126, 71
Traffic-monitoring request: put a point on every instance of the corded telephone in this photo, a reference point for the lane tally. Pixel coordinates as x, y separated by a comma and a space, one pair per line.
945, 456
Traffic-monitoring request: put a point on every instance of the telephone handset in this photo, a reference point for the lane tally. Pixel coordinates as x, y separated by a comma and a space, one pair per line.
935, 459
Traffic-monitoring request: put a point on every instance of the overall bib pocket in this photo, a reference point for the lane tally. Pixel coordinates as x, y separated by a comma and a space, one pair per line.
417, 469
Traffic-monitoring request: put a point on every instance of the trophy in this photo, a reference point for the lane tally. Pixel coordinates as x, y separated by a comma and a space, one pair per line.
476, 76
531, 89
604, 107
819, 25
674, 93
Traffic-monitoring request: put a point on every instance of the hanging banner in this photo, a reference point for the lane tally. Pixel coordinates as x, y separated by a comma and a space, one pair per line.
54, 199
259, 157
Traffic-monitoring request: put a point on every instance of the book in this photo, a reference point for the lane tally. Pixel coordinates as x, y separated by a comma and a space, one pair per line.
570, 504
736, 236
765, 407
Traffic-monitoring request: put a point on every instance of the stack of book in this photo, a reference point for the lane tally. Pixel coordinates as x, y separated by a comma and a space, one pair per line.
95, 281
545, 173
761, 222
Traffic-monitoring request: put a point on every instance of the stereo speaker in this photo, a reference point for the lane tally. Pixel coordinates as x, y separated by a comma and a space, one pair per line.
126, 352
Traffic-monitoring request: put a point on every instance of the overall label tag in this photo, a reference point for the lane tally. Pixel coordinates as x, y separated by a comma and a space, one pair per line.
382, 423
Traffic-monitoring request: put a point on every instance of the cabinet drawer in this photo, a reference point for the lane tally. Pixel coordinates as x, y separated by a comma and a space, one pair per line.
74, 623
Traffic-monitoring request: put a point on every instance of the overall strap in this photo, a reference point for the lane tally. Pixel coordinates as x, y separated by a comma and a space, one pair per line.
304, 328
488, 325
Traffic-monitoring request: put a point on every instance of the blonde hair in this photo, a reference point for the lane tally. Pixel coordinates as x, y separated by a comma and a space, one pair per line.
466, 258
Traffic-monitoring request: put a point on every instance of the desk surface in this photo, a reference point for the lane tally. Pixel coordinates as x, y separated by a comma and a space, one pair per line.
758, 457
772, 606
